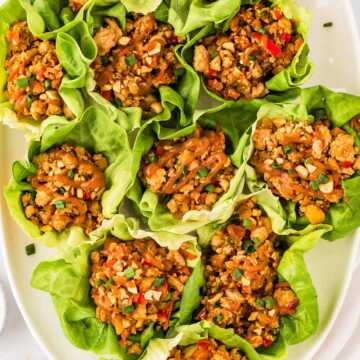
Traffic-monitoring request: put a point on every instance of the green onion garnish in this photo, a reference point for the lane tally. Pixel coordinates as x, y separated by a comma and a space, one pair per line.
30, 249
158, 282
59, 204
130, 60
22, 83
129, 273
287, 149
128, 309
247, 223
237, 273
203, 172
210, 188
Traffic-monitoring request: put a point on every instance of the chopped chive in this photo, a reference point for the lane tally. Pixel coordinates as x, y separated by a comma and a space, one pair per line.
129, 273
210, 188
248, 246
30, 249
218, 317
29, 100
275, 165
262, 30
257, 241
237, 273
213, 54
152, 157
269, 303
61, 190
109, 282
203, 172
22, 83
128, 309
47, 84
105, 60
247, 223
100, 282
59, 204
307, 161
314, 185
71, 174
158, 281
323, 178
260, 302
287, 149
328, 24
130, 60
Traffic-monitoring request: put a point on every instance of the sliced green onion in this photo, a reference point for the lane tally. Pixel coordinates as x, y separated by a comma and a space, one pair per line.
30, 249
218, 317
128, 309
59, 204
247, 223
275, 165
47, 84
237, 273
130, 60
314, 185
210, 188
248, 246
22, 83
158, 282
269, 303
129, 273
71, 174
287, 149
323, 178
203, 172
61, 190
100, 282
260, 302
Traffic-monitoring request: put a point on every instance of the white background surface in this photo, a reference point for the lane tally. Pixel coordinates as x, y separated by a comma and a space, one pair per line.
16, 343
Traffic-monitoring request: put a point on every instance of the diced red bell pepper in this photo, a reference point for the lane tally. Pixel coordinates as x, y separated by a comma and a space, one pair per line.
286, 37
212, 73
267, 342
107, 94
139, 299
110, 263
273, 48
346, 164
203, 343
87, 196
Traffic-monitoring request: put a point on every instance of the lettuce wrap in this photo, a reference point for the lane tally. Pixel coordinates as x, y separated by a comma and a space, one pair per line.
67, 281
293, 328
52, 20
233, 119
219, 14
94, 131
311, 104
178, 100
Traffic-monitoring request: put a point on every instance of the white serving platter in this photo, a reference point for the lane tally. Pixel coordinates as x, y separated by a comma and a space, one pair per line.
335, 52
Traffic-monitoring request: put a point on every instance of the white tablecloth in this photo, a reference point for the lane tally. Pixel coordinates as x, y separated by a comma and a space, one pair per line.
16, 343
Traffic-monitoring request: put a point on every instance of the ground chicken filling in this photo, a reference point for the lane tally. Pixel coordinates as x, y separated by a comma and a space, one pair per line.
191, 173
76, 5
131, 65
242, 288
68, 186
208, 349
136, 284
34, 75
305, 163
261, 42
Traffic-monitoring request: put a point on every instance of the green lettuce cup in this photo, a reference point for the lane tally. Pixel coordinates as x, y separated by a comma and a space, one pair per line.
220, 186
198, 338
46, 52
327, 171
70, 177
138, 67
75, 280
233, 57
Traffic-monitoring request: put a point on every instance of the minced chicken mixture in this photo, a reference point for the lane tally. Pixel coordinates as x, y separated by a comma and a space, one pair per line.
34, 75
261, 43
131, 65
206, 349
68, 186
242, 287
305, 163
191, 173
136, 284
